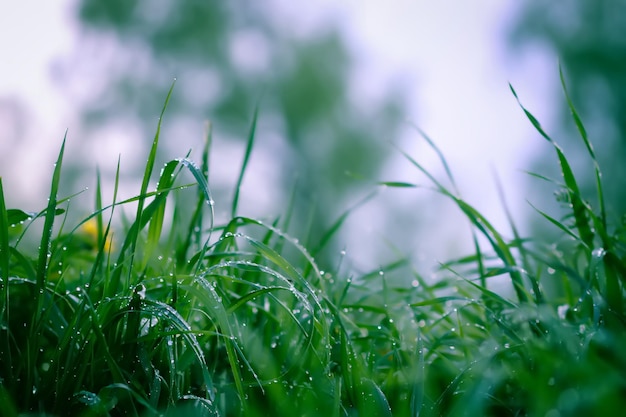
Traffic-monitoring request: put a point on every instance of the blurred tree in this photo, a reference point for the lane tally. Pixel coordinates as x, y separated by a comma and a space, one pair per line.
589, 38
227, 57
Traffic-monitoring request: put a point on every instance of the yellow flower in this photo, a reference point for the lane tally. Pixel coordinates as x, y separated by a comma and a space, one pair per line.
89, 230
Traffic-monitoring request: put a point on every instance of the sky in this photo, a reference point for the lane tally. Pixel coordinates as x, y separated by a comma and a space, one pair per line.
452, 56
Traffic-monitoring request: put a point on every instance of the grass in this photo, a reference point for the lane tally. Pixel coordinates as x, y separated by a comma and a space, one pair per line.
167, 313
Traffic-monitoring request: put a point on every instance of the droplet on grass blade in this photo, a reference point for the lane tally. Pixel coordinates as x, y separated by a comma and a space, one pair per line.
598, 253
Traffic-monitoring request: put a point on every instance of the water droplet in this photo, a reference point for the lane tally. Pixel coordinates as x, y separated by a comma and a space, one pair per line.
598, 253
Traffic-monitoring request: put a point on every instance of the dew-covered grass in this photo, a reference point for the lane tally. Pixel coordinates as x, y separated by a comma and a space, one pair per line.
165, 312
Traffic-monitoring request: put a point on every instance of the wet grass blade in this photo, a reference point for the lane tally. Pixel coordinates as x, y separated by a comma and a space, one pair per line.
335, 227
106, 236
35, 330
579, 208
486, 229
184, 330
499, 245
537, 292
5, 252
146, 180
207, 294
194, 230
583, 134
5, 255
207, 199
419, 385
155, 226
46, 237
558, 224
244, 165
441, 157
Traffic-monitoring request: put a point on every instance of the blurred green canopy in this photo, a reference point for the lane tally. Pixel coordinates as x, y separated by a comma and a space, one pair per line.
227, 58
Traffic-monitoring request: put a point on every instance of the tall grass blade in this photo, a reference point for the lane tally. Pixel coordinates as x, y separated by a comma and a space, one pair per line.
46, 237
182, 328
5, 253
442, 158
211, 299
194, 231
106, 237
578, 206
335, 227
588, 145
155, 227
480, 259
246, 158
43, 263
558, 224
576, 117
530, 117
146, 180
484, 226
517, 237
601, 228
203, 185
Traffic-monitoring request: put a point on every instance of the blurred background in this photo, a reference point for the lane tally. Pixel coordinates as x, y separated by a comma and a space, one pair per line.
340, 86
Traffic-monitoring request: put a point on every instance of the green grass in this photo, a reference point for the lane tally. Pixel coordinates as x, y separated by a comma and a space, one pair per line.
167, 313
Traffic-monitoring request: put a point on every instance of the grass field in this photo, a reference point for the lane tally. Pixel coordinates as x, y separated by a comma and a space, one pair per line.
163, 312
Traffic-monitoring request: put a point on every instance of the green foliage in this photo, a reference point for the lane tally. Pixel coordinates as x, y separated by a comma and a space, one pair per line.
167, 313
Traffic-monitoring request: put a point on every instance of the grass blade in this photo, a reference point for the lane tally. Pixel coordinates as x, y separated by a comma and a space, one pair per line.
4, 252
146, 179
583, 134
194, 230
442, 158
42, 270
5, 255
46, 237
246, 158
578, 206
203, 185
